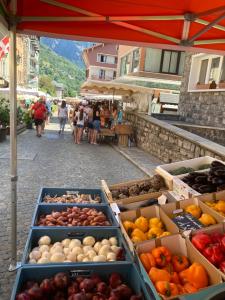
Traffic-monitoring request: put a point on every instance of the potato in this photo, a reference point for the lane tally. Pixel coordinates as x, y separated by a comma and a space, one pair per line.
74, 243
80, 257
115, 249
111, 256
66, 242
32, 261
86, 249
66, 251
77, 250
72, 257
44, 248
43, 260
89, 241
56, 249
35, 255
104, 250
57, 257
46, 255
113, 241
91, 254
99, 258
44, 240
97, 246
105, 242
86, 259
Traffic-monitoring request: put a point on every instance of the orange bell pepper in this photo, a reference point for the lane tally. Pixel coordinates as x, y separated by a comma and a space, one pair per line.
162, 256
166, 288
180, 262
147, 260
189, 288
174, 278
129, 227
196, 275
156, 274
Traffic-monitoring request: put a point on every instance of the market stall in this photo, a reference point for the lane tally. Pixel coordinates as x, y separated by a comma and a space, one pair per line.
126, 241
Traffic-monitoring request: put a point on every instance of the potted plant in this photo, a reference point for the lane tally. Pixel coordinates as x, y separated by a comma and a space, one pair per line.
28, 120
4, 118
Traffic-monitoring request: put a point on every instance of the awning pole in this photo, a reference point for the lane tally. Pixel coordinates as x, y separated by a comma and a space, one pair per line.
13, 139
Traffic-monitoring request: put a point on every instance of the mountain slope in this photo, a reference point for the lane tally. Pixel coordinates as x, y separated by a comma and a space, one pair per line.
61, 70
72, 50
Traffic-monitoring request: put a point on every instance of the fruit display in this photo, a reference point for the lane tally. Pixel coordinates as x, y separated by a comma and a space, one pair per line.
204, 218
212, 246
61, 287
173, 274
207, 182
154, 184
74, 216
74, 250
218, 206
143, 229
74, 198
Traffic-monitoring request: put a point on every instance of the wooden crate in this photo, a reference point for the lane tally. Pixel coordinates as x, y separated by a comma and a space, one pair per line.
107, 189
123, 140
123, 129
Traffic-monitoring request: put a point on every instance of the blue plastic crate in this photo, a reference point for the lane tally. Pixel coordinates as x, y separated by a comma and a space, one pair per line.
128, 271
58, 234
62, 191
47, 209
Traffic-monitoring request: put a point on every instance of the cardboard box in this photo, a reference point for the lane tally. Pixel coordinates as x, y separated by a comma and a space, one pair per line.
170, 208
148, 212
178, 245
141, 198
172, 196
194, 163
220, 228
212, 197
182, 189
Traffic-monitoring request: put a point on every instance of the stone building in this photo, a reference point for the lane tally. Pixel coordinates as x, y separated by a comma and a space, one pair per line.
202, 97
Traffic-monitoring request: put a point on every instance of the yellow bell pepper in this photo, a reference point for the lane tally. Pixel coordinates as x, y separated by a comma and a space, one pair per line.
136, 239
155, 222
142, 224
165, 233
154, 232
207, 220
209, 203
129, 226
194, 210
139, 235
220, 206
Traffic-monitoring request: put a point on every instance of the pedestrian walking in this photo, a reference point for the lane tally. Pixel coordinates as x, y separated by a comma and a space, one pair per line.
80, 120
39, 112
96, 124
63, 116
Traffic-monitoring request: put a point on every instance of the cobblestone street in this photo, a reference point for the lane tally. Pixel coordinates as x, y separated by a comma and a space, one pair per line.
53, 161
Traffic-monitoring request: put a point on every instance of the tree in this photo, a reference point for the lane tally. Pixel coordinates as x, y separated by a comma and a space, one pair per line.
45, 84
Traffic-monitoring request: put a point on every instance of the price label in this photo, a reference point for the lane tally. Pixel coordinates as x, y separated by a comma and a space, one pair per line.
187, 222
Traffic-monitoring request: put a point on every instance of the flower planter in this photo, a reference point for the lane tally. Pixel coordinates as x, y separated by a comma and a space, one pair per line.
2, 134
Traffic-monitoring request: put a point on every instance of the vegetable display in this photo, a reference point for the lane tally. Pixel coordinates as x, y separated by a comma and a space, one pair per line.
207, 182
74, 216
61, 287
173, 274
184, 170
154, 184
143, 229
74, 250
204, 218
74, 198
212, 246
218, 206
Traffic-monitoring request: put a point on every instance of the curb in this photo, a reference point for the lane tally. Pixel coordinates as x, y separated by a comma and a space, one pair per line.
148, 173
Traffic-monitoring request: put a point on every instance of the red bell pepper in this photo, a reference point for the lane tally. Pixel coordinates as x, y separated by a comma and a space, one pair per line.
222, 267
216, 237
201, 240
222, 242
214, 254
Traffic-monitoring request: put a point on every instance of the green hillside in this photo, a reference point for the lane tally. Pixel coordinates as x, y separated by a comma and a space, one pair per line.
61, 70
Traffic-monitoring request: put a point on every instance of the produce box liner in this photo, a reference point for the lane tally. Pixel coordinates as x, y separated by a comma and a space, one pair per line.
148, 212
129, 273
67, 191
220, 228
194, 163
171, 208
178, 245
132, 199
59, 234
44, 209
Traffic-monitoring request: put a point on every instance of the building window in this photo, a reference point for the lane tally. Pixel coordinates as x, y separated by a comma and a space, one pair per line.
203, 71
102, 58
125, 65
114, 74
101, 74
222, 76
107, 59
135, 61
164, 61
214, 70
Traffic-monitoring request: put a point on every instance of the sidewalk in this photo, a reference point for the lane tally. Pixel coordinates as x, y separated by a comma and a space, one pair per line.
141, 159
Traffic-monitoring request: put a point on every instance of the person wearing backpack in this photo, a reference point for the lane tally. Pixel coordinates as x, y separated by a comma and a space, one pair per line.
39, 114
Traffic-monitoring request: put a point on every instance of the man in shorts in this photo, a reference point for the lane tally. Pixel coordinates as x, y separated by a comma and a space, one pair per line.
39, 113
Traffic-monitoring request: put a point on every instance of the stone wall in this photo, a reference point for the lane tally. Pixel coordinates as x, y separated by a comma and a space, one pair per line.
170, 143
202, 108
214, 134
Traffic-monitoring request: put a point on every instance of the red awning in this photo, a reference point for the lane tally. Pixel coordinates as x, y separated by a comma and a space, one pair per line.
190, 23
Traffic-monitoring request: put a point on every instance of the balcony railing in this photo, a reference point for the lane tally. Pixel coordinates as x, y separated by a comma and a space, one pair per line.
103, 78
